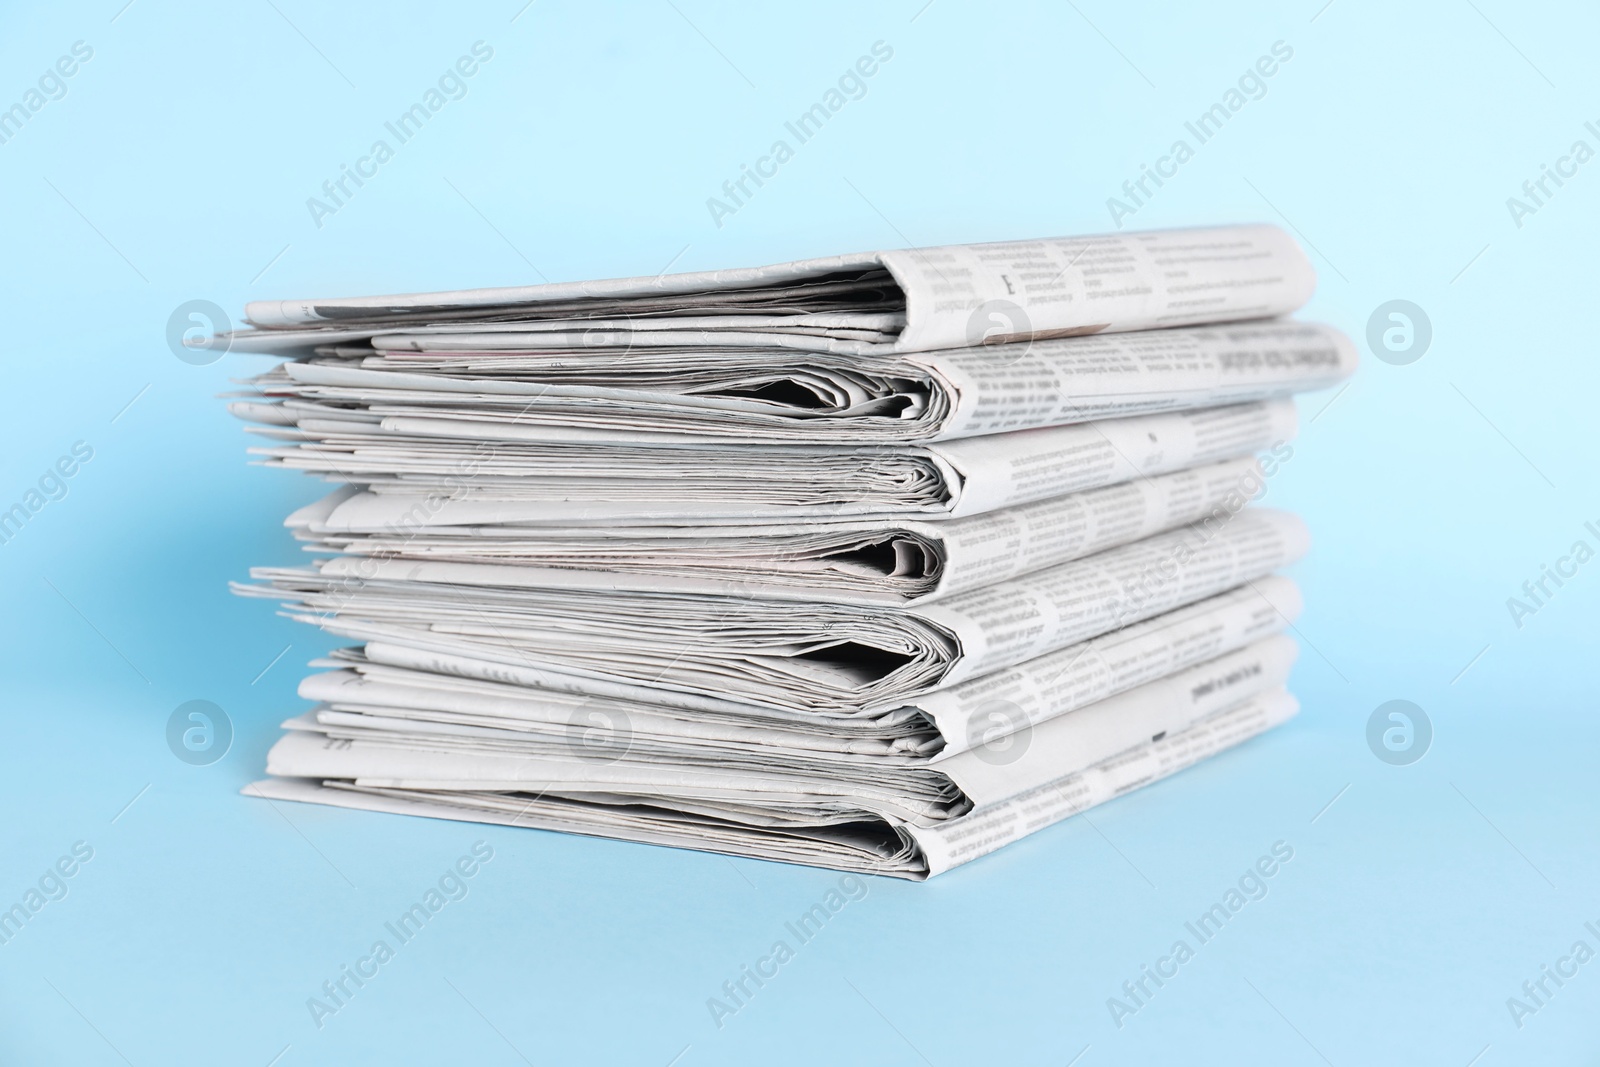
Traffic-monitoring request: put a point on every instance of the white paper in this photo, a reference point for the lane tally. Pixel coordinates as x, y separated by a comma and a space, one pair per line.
776, 395
836, 659
894, 300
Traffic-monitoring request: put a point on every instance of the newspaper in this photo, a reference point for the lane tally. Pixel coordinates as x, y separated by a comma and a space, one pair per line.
362, 692
417, 483
421, 754
833, 659
884, 561
904, 300
916, 826
606, 394
875, 561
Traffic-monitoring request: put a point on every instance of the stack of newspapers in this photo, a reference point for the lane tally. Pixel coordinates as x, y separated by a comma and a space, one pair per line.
875, 562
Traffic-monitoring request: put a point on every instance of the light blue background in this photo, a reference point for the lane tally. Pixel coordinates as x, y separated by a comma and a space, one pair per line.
177, 167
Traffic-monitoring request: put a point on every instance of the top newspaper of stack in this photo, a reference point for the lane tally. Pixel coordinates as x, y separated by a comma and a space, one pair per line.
883, 347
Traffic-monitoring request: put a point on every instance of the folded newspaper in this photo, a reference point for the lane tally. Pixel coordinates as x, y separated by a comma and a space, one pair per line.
626, 395
906, 816
388, 684
845, 835
886, 560
902, 300
416, 481
833, 659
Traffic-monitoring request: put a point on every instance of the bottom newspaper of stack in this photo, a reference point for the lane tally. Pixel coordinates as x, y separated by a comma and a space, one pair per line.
889, 739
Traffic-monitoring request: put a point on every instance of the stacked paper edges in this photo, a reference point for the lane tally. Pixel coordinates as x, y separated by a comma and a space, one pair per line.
876, 562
